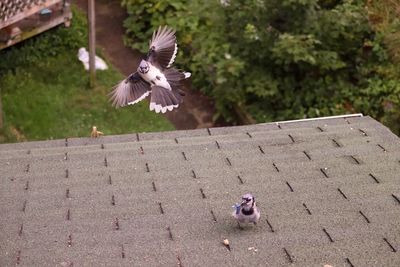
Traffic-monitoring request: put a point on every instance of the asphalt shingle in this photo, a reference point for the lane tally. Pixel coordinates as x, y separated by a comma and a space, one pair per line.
328, 190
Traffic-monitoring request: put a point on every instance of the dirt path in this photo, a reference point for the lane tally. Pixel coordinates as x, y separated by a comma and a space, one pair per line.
195, 112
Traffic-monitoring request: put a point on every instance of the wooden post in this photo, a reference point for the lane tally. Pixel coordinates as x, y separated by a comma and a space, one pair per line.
92, 43
1, 112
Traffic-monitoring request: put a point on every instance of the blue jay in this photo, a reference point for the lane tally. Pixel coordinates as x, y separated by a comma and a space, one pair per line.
154, 76
247, 211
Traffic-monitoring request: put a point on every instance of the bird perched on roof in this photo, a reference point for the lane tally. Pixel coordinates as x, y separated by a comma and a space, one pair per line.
95, 133
154, 76
247, 211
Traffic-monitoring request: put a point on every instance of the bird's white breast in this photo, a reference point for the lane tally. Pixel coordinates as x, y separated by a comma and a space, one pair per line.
155, 77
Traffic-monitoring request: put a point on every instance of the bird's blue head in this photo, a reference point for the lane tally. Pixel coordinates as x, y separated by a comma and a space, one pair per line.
248, 200
143, 67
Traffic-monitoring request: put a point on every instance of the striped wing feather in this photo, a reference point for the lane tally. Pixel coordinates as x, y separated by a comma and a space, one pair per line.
129, 91
163, 47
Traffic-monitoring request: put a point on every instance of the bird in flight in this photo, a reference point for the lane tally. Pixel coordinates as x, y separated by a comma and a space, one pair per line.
247, 211
154, 76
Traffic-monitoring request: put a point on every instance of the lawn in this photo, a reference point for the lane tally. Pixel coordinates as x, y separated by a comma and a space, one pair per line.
45, 94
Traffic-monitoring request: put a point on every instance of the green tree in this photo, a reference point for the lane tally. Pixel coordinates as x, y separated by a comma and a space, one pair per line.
279, 59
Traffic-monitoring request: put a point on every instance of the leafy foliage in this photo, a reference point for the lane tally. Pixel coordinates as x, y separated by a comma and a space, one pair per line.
278, 59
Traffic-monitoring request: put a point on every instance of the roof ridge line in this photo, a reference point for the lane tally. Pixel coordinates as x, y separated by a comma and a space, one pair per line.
323, 118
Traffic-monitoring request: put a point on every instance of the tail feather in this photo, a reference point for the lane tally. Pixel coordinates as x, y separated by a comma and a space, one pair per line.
170, 99
163, 99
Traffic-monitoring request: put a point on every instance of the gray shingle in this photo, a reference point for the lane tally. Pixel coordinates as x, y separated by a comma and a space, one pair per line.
328, 191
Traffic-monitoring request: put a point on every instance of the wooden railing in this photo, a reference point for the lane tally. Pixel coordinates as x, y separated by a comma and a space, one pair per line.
14, 12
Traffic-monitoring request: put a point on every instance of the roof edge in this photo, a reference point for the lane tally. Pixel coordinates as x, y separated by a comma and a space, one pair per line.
323, 118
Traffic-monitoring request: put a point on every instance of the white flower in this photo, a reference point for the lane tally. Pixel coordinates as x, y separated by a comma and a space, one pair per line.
224, 2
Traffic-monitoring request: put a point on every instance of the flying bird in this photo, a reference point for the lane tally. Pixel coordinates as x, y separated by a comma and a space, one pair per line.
154, 76
247, 211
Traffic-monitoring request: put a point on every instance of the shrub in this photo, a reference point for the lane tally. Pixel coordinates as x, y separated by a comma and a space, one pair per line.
277, 59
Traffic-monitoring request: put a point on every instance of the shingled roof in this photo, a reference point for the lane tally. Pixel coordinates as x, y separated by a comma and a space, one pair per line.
328, 190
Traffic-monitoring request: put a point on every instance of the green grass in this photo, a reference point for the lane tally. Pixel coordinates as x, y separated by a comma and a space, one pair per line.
46, 95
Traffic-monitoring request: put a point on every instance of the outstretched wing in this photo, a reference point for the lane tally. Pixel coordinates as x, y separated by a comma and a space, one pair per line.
129, 91
163, 47
163, 99
175, 77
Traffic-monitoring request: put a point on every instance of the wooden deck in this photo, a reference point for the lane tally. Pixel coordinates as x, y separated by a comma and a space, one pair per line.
22, 19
